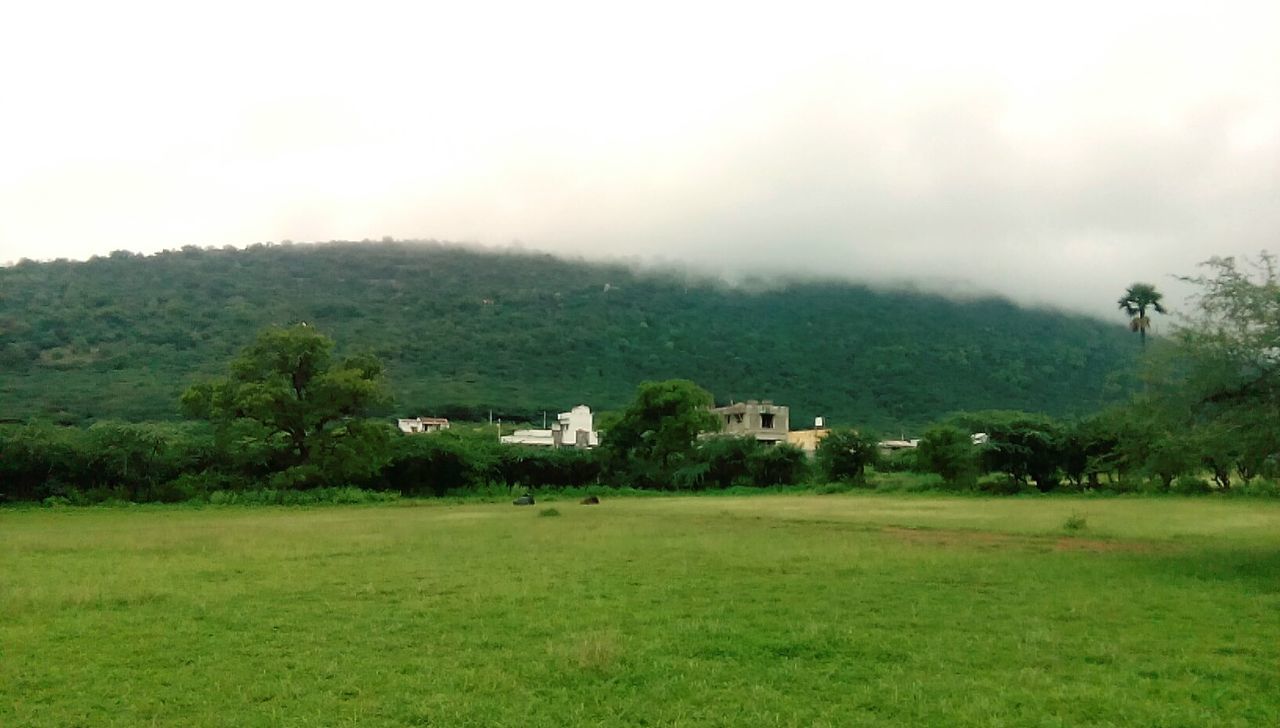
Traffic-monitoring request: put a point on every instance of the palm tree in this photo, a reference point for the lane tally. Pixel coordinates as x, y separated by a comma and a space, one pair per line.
1136, 300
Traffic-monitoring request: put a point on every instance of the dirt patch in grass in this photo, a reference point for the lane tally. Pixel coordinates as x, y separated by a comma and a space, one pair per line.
939, 537
989, 539
467, 516
1066, 543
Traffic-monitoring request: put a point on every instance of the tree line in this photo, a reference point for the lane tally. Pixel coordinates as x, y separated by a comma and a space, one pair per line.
290, 416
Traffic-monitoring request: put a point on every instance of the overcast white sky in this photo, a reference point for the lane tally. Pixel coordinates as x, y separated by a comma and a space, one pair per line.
1052, 152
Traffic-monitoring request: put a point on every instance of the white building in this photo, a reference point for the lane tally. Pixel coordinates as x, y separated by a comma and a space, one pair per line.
418, 425
574, 428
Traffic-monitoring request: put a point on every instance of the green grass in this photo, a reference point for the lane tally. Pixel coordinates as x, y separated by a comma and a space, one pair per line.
857, 609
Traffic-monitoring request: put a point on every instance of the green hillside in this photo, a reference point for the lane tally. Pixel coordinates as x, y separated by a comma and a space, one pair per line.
463, 331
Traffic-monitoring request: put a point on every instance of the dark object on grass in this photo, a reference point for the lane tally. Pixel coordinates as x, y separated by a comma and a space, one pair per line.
590, 500
524, 500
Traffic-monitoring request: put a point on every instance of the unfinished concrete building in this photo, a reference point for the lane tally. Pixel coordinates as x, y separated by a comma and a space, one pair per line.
765, 421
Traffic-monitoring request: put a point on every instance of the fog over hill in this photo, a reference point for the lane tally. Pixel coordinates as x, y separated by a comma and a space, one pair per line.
1050, 154
464, 331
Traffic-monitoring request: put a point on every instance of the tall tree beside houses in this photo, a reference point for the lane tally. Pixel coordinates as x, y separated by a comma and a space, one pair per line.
287, 398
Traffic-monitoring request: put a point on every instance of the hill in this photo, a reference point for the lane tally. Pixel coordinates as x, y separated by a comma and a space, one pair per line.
465, 331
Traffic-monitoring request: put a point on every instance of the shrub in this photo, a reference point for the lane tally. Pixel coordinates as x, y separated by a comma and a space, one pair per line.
1075, 522
719, 462
908, 482
846, 455
905, 460
781, 464
1190, 485
540, 467
949, 452
1120, 486
33, 458
315, 496
1258, 487
740, 462
436, 464
1004, 484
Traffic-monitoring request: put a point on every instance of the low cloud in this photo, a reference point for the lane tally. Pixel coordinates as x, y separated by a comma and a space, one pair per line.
1051, 159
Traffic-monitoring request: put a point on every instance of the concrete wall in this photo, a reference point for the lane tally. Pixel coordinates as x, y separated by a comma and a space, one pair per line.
751, 417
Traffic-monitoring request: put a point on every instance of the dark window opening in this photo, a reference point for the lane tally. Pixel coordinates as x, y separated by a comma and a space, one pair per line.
766, 420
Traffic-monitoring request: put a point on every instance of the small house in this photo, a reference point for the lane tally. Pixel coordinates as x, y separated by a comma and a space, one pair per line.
575, 428
421, 425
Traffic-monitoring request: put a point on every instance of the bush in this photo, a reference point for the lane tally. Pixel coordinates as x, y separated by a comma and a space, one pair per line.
438, 463
33, 458
949, 452
1190, 485
723, 462
905, 460
846, 455
180, 489
1075, 522
719, 462
1120, 486
908, 482
1258, 487
781, 464
315, 496
1004, 484
540, 467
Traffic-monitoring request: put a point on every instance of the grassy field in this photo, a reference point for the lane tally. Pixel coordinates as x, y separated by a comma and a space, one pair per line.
755, 611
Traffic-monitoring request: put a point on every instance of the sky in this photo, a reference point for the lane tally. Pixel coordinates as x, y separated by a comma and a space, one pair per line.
1050, 152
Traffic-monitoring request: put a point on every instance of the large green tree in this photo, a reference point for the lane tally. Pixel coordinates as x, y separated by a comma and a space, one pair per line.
1024, 445
1135, 302
1229, 348
286, 397
656, 434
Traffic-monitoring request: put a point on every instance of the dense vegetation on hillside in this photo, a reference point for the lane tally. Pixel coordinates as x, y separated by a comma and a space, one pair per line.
462, 332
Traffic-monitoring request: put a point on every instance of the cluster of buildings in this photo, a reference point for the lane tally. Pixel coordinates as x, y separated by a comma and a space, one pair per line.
765, 421
575, 428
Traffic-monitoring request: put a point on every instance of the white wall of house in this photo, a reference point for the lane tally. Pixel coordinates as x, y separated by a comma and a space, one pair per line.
417, 425
529, 437
578, 419
568, 425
